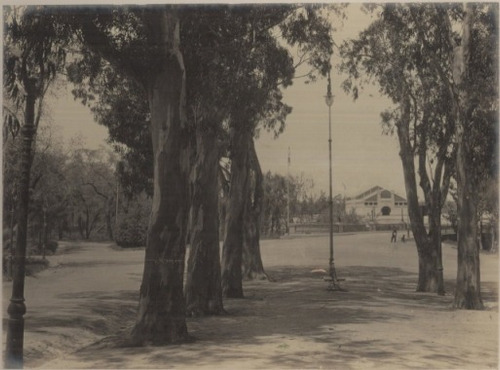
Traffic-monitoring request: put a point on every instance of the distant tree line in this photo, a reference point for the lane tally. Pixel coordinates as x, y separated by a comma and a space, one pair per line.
295, 196
75, 193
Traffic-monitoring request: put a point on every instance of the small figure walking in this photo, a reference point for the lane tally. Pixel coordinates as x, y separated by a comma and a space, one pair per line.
394, 236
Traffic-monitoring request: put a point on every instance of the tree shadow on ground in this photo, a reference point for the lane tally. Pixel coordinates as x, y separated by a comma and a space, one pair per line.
100, 313
294, 308
93, 314
72, 247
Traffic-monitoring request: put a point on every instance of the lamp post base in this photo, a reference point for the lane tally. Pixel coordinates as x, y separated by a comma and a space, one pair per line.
335, 287
334, 283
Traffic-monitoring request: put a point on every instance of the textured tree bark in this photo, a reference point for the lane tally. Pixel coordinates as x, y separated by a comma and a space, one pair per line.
468, 289
161, 317
252, 260
203, 282
427, 254
434, 237
428, 280
432, 195
232, 250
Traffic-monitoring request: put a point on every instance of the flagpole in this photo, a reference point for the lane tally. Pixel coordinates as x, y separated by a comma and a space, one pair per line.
288, 195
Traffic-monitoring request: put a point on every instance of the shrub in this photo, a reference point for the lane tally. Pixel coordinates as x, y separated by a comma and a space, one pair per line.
132, 231
51, 246
35, 265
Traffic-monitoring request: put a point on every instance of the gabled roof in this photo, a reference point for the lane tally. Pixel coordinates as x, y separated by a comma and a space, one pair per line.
371, 195
370, 191
398, 198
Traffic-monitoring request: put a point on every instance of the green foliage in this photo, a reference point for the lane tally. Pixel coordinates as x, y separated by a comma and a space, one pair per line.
35, 265
65, 185
351, 217
133, 225
231, 55
33, 50
50, 195
409, 51
451, 215
273, 219
35, 247
405, 51
122, 107
51, 246
11, 124
91, 178
481, 84
34, 54
305, 207
132, 232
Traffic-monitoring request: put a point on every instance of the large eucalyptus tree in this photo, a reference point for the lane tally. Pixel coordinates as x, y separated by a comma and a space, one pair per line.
444, 87
405, 52
225, 62
475, 105
268, 66
143, 44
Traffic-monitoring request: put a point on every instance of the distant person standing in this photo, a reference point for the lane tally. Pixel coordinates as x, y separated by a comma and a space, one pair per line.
394, 236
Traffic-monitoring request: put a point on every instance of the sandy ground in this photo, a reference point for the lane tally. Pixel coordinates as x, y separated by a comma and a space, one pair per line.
88, 298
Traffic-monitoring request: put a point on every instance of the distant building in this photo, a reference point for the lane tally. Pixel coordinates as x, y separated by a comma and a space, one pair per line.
380, 205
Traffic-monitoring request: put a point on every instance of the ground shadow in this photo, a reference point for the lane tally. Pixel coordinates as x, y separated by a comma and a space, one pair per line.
296, 304
98, 312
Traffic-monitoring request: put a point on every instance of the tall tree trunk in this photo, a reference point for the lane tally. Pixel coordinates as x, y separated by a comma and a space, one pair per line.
162, 315
109, 218
60, 229
427, 255
468, 289
432, 196
232, 250
87, 223
40, 237
203, 283
435, 240
252, 261
17, 308
44, 233
222, 216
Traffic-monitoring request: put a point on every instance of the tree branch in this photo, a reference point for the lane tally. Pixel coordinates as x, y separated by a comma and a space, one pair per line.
98, 42
96, 190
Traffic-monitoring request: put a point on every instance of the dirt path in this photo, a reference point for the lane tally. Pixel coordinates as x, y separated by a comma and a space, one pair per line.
292, 322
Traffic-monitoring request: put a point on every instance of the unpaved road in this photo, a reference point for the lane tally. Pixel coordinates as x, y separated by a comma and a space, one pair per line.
91, 293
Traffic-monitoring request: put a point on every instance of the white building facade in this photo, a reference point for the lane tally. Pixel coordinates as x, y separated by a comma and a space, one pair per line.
379, 205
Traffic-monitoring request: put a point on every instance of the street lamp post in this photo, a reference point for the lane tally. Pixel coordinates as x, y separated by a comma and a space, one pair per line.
17, 308
333, 275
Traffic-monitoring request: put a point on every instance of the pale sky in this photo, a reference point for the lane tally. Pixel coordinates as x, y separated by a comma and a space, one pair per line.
362, 156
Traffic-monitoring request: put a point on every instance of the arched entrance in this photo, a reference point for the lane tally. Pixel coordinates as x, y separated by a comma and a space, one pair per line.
386, 211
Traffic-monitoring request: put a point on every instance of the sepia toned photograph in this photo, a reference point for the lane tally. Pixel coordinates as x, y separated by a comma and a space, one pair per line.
250, 185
